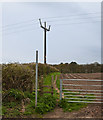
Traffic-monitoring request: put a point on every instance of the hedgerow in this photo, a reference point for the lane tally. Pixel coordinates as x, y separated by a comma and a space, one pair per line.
22, 76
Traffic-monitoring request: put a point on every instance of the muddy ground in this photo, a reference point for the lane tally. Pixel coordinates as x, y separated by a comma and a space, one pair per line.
91, 111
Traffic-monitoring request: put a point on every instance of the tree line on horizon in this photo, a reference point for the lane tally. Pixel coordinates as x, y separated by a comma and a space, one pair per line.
73, 67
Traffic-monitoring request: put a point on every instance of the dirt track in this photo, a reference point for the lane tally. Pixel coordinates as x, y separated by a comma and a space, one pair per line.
90, 111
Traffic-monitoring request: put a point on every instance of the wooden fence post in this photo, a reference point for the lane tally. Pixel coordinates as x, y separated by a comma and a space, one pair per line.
52, 80
41, 86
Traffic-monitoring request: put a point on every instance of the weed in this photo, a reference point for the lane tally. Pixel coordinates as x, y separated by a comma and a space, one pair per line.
45, 104
17, 94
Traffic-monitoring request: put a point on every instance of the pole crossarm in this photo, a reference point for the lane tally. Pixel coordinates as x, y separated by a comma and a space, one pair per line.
43, 26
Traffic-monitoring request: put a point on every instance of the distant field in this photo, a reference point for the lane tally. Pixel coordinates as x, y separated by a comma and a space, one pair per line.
83, 76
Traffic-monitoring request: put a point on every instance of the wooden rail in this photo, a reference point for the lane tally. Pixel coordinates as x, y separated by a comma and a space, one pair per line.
41, 87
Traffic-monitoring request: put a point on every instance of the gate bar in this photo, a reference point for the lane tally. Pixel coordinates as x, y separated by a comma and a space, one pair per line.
81, 85
84, 99
83, 80
83, 90
84, 102
83, 96
82, 93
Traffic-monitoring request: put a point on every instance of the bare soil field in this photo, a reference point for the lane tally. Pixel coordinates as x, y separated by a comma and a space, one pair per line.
83, 76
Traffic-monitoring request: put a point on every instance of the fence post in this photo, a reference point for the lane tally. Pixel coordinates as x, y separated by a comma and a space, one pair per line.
52, 85
36, 79
60, 89
41, 85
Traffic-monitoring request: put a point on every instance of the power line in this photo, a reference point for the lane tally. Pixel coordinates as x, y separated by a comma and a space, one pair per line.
74, 18
23, 22
19, 27
70, 15
57, 25
32, 20
20, 31
76, 23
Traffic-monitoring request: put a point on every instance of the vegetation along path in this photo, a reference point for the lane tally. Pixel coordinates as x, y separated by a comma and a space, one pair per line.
55, 86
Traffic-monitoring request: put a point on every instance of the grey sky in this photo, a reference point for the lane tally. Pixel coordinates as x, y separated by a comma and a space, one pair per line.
75, 32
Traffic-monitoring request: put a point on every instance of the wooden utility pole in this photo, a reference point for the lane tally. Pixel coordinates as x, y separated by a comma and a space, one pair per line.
36, 79
45, 30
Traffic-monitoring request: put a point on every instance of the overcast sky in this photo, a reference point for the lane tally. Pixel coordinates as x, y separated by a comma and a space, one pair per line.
75, 32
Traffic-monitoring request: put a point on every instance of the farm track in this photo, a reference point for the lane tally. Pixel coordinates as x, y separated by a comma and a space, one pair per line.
88, 112
55, 87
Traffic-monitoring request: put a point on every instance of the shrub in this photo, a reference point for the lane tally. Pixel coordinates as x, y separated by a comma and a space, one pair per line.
63, 104
4, 110
17, 94
45, 104
22, 76
17, 76
27, 94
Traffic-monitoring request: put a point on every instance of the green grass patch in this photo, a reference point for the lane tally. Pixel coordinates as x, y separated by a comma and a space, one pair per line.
45, 104
47, 82
47, 78
71, 106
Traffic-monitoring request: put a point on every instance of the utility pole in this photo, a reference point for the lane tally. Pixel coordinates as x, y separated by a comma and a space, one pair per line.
45, 30
36, 79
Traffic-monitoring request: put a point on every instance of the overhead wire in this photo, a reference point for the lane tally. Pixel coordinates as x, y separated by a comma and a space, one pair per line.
77, 23
19, 27
71, 15
74, 18
47, 21
19, 31
53, 25
23, 22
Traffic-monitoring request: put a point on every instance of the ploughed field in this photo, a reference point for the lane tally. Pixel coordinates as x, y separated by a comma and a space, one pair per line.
82, 76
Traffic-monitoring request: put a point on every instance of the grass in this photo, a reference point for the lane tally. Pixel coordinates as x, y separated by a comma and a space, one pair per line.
58, 81
70, 106
11, 109
47, 78
47, 81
